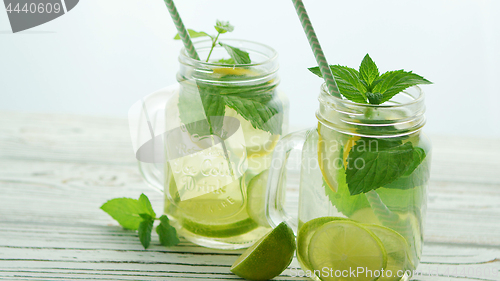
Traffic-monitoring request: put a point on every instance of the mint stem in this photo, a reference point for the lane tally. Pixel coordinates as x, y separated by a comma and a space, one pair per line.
214, 42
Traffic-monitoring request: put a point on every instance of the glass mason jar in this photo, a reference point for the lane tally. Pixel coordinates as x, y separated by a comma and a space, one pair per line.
222, 125
364, 163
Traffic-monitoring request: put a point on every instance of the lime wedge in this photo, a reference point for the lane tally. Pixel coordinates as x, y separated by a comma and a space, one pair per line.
343, 246
397, 251
305, 234
256, 201
268, 257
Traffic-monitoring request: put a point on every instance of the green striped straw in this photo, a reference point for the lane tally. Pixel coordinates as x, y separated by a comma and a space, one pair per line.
188, 44
316, 48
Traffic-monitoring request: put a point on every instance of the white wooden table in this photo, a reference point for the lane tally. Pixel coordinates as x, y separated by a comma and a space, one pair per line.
57, 170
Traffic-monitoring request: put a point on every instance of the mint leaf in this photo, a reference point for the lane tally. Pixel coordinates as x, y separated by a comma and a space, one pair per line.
345, 203
372, 167
167, 233
262, 109
393, 82
213, 105
368, 84
145, 228
192, 34
348, 82
418, 157
146, 204
239, 56
368, 70
223, 26
259, 105
125, 211
417, 173
226, 61
374, 98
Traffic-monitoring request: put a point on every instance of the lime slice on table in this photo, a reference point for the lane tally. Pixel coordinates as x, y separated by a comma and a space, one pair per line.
268, 257
397, 251
346, 245
305, 234
256, 201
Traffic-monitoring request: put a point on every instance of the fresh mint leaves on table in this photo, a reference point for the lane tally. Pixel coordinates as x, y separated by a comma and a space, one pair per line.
367, 85
138, 214
238, 56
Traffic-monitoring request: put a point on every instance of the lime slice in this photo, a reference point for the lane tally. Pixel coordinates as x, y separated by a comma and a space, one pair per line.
268, 257
256, 201
305, 234
343, 246
365, 215
235, 228
397, 251
414, 237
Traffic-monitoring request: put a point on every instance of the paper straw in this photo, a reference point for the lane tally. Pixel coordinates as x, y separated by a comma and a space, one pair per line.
316, 48
188, 44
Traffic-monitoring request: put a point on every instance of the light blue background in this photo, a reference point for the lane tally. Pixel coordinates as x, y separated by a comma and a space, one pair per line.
106, 54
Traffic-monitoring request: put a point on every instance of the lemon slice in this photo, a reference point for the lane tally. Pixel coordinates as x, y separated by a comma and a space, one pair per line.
343, 246
331, 156
397, 252
305, 234
268, 257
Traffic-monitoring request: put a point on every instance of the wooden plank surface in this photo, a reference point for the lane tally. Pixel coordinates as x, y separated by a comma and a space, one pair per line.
56, 170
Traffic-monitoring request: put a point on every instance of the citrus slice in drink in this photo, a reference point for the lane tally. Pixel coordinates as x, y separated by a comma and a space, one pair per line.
344, 246
397, 251
239, 225
258, 143
305, 234
268, 257
413, 235
256, 198
332, 156
365, 215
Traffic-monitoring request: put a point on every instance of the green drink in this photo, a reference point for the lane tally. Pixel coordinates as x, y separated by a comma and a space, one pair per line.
364, 173
229, 119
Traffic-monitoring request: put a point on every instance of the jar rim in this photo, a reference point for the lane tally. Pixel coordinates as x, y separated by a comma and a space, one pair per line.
272, 57
325, 94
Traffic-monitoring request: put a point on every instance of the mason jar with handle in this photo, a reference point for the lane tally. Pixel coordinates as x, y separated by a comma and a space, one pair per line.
221, 125
363, 176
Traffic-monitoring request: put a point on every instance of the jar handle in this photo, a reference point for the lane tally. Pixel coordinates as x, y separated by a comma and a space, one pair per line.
148, 123
152, 175
286, 161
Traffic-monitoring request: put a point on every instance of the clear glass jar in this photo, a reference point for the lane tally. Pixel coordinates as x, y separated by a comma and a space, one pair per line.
366, 163
222, 127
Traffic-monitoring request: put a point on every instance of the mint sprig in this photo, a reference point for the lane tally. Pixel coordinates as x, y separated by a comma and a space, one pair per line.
238, 56
138, 214
367, 85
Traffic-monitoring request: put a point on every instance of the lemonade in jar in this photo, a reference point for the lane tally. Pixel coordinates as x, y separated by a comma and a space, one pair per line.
364, 172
